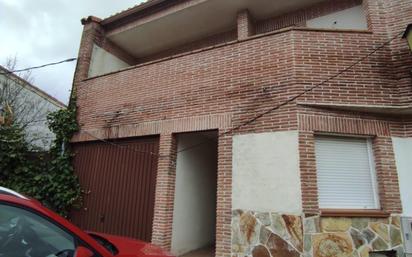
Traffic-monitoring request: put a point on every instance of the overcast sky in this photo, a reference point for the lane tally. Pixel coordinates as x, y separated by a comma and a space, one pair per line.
44, 31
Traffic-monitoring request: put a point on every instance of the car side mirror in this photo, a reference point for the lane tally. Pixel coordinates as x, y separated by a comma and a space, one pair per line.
83, 252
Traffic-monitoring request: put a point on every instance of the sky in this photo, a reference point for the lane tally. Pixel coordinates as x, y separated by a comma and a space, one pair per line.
37, 32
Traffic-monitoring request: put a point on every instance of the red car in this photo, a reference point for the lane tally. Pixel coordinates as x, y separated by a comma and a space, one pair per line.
28, 229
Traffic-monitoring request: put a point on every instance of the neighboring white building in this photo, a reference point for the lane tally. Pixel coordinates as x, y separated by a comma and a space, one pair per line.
30, 106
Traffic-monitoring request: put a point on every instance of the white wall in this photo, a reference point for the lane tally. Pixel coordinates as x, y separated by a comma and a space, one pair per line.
403, 155
104, 62
266, 172
352, 18
31, 110
194, 215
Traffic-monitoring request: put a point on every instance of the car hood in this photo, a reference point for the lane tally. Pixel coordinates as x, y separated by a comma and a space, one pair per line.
129, 247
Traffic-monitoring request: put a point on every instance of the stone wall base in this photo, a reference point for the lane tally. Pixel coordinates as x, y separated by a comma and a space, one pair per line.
264, 234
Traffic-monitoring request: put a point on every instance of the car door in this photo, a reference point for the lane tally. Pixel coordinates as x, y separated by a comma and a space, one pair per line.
23, 232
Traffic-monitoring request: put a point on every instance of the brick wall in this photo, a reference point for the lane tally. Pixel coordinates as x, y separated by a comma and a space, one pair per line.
94, 33
225, 85
224, 195
291, 60
378, 128
398, 13
402, 127
165, 183
250, 27
91, 33
194, 85
245, 25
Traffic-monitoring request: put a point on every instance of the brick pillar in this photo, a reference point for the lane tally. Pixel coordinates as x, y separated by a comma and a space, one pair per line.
92, 33
308, 175
398, 16
224, 197
386, 25
389, 194
245, 25
164, 196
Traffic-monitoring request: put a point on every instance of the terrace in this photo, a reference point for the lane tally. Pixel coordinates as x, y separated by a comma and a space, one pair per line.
159, 30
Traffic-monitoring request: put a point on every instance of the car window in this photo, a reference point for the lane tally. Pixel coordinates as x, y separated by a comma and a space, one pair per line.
23, 233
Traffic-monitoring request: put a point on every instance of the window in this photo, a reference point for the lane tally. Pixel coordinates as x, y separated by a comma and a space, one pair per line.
23, 233
346, 173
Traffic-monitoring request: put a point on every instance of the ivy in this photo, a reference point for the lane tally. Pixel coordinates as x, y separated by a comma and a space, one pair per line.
63, 124
47, 177
13, 149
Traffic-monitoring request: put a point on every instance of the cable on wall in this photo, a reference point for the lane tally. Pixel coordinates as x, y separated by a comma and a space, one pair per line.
258, 116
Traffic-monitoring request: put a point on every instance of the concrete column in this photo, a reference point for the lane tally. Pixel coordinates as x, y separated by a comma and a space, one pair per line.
245, 25
165, 188
224, 196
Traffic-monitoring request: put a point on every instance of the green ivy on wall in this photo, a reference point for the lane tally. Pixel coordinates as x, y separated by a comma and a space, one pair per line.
47, 177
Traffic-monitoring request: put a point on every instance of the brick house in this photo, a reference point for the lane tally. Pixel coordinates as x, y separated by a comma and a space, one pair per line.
173, 149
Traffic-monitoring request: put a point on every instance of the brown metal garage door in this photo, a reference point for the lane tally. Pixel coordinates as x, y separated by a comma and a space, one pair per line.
119, 185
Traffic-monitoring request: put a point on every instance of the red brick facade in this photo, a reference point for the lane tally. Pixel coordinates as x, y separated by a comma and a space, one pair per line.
300, 17
225, 83
351, 125
162, 227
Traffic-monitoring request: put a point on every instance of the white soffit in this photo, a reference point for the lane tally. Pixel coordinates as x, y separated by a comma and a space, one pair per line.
195, 22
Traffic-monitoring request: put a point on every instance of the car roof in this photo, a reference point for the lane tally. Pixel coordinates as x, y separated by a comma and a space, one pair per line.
6, 191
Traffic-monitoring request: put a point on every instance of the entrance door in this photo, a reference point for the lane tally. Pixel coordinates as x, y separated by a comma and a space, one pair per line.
194, 214
119, 183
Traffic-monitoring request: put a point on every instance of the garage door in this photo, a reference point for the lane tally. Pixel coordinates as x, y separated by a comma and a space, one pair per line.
119, 184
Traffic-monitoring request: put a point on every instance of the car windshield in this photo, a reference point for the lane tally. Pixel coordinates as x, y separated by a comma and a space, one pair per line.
23, 233
105, 243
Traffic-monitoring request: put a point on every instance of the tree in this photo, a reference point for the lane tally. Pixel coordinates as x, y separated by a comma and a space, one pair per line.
19, 106
52, 182
13, 150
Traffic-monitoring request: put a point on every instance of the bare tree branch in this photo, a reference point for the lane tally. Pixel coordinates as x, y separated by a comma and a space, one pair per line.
26, 106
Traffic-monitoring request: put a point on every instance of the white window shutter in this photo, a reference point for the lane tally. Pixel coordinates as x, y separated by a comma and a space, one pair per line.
346, 173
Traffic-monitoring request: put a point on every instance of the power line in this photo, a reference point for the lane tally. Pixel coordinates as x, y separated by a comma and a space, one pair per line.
315, 86
276, 106
298, 95
121, 146
39, 67
310, 89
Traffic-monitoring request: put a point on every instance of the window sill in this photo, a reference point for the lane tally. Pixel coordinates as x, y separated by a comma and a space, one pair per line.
353, 213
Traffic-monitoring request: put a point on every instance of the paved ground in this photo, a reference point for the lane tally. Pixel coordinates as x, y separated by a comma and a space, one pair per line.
204, 252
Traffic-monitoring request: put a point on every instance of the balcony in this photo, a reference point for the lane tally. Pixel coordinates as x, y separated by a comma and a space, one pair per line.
151, 32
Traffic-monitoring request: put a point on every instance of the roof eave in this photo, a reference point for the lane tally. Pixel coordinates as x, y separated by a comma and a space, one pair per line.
132, 11
34, 89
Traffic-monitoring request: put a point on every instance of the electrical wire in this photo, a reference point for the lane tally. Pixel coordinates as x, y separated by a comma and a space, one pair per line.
310, 89
121, 146
39, 67
304, 92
